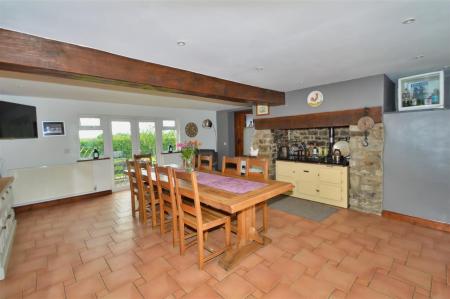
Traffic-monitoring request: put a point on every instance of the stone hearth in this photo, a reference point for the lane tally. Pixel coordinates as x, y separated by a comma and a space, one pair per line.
366, 163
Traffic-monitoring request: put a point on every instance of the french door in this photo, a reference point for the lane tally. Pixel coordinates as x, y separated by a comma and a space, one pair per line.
130, 137
122, 149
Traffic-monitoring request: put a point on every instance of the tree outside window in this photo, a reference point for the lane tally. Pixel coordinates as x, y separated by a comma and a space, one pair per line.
169, 135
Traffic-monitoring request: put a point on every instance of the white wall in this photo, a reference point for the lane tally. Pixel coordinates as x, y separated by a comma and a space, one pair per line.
62, 150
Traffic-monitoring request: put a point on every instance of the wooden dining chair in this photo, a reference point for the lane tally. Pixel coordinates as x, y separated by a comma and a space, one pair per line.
134, 187
205, 162
231, 165
151, 195
259, 168
167, 200
143, 157
197, 217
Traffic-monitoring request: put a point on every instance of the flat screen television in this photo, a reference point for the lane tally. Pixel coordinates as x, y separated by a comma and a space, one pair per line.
17, 121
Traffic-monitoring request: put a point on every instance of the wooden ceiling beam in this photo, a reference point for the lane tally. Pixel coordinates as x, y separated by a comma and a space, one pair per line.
341, 118
32, 54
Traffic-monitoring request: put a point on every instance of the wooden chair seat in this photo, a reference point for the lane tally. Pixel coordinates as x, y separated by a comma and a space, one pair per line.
210, 218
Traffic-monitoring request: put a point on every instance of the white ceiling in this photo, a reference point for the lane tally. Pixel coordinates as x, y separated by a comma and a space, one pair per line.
298, 43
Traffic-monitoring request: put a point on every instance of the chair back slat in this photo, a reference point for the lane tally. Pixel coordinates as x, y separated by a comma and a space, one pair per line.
147, 166
131, 166
205, 162
165, 185
231, 165
143, 157
186, 186
257, 168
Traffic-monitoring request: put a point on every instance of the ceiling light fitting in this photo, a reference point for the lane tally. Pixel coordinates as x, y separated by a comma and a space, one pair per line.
181, 43
408, 21
419, 57
259, 68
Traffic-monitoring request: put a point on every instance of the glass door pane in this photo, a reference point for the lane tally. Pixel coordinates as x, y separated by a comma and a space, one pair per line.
147, 138
122, 150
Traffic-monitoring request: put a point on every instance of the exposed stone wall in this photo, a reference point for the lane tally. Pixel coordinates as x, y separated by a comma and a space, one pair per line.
309, 136
366, 170
264, 141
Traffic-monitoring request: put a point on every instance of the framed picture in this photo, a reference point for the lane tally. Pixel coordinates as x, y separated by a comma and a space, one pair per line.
53, 128
425, 91
262, 109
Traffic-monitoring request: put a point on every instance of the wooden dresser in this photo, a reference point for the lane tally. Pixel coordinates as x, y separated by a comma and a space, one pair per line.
7, 222
317, 182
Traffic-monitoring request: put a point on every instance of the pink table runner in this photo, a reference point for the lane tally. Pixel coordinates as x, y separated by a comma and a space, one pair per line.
234, 185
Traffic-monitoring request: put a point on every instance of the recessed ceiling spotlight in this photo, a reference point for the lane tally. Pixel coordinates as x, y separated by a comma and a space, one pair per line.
419, 57
181, 43
259, 68
408, 21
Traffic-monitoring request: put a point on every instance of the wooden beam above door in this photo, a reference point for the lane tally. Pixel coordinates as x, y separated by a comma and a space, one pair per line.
32, 54
340, 118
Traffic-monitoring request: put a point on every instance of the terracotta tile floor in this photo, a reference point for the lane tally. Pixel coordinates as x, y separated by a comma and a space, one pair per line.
95, 249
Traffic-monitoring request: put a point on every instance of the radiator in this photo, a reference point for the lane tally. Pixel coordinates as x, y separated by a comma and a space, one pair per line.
45, 183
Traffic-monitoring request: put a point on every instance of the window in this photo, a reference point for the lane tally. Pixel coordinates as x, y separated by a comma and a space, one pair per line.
91, 137
169, 135
147, 138
89, 122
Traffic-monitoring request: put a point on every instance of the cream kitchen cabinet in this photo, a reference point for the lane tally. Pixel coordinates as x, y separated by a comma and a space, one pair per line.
317, 182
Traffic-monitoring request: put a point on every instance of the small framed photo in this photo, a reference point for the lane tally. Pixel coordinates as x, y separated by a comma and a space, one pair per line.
425, 91
53, 128
262, 109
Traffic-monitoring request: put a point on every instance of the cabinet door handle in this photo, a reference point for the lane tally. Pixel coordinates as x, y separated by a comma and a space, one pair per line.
305, 170
317, 190
3, 198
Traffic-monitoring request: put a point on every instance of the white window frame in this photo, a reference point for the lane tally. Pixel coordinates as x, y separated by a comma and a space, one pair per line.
102, 127
177, 135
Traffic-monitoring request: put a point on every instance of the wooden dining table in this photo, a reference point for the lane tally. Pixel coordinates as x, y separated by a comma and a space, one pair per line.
244, 206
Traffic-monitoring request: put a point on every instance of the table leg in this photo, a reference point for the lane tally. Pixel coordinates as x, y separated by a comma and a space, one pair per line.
248, 239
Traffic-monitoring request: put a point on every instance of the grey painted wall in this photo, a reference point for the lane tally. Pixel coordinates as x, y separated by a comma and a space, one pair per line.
417, 164
417, 144
389, 95
225, 135
352, 94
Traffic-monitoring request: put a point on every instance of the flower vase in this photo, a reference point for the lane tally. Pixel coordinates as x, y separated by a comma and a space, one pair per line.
188, 164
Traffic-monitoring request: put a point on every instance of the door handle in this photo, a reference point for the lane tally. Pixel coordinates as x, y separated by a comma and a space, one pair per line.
306, 171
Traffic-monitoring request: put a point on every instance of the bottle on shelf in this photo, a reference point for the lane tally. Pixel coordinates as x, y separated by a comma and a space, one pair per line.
95, 154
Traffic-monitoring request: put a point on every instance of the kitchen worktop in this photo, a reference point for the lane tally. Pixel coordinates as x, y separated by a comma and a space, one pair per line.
325, 160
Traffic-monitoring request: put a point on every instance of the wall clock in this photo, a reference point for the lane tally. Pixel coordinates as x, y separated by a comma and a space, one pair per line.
315, 98
191, 129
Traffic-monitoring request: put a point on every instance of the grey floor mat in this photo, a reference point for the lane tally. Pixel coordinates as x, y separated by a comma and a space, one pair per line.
304, 208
